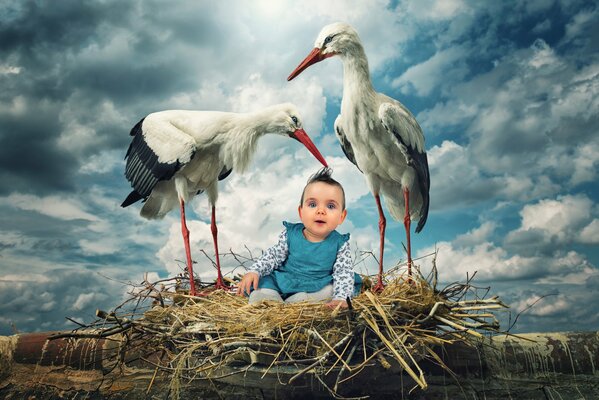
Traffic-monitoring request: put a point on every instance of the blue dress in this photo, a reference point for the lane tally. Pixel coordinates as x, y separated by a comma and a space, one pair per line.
309, 265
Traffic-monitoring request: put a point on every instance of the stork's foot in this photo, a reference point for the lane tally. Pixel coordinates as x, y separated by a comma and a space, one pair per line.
202, 293
220, 284
379, 287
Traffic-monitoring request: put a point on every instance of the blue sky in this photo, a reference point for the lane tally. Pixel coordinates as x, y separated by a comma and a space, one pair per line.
506, 94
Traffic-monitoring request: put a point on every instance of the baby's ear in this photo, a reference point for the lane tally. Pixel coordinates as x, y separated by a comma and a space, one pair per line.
299, 211
343, 215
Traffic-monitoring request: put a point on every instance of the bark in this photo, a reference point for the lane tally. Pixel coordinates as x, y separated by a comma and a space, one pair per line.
531, 366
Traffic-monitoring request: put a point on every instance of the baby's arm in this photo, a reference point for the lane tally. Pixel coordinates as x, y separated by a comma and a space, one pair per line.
272, 258
343, 276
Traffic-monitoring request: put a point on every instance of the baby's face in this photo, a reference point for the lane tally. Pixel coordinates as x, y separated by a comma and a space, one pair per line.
322, 210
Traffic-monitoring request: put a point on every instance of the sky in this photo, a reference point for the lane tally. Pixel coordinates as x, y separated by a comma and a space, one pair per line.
507, 94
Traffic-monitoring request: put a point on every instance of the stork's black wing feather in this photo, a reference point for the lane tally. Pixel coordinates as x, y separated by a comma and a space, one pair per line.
420, 164
346, 145
224, 173
419, 161
143, 170
405, 129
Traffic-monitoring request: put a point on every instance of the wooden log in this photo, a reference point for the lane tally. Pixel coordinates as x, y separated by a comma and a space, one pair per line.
529, 366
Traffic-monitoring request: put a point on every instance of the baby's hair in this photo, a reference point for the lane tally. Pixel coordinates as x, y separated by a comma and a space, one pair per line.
324, 175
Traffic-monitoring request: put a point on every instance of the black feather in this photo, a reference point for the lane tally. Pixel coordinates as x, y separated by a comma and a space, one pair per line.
143, 170
224, 173
346, 147
424, 181
132, 198
419, 162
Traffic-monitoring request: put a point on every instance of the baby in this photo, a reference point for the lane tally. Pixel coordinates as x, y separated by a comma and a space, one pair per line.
311, 261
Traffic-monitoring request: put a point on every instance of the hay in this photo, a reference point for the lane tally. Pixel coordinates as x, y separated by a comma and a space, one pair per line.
198, 335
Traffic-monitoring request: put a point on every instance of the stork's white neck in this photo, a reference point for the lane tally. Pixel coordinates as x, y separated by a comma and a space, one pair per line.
241, 143
356, 75
358, 93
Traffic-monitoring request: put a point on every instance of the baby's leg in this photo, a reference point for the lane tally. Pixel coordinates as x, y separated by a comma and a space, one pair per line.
324, 294
259, 295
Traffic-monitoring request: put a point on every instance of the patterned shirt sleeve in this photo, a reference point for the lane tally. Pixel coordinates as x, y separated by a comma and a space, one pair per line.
272, 258
343, 274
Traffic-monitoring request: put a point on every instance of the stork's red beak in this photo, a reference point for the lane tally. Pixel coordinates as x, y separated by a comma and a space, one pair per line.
314, 57
301, 136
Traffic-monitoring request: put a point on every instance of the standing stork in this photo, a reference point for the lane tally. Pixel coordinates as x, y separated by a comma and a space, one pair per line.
177, 154
378, 134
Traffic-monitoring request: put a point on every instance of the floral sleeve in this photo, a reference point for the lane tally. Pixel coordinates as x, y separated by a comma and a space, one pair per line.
343, 274
272, 258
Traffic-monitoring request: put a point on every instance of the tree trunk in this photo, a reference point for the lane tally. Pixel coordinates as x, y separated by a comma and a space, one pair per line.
531, 366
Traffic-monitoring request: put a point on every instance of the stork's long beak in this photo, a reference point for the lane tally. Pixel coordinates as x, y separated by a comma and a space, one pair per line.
301, 136
314, 57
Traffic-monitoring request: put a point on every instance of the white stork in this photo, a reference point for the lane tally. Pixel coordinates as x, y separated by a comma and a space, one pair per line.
378, 134
177, 154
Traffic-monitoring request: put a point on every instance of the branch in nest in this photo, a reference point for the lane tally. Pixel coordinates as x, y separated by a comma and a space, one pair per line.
332, 350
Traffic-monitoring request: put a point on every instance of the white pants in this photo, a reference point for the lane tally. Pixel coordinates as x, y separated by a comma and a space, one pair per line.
324, 294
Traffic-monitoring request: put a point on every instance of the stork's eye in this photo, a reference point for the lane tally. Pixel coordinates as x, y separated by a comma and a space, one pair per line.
294, 119
328, 39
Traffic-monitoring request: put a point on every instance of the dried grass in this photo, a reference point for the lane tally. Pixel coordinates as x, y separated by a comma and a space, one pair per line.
198, 335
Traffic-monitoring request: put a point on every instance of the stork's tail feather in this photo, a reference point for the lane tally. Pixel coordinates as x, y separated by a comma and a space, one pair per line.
132, 198
154, 209
423, 212
421, 223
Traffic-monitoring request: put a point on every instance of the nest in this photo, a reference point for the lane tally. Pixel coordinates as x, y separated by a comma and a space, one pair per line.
196, 336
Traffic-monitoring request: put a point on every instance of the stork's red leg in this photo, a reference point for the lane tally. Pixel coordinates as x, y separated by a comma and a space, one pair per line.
382, 225
407, 222
220, 284
185, 231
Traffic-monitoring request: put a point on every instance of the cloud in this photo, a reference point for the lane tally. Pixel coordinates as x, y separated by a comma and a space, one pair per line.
530, 252
565, 220
477, 235
256, 94
51, 297
460, 180
557, 216
590, 233
9, 69
519, 137
424, 77
583, 21
53, 206
436, 9
559, 281
538, 307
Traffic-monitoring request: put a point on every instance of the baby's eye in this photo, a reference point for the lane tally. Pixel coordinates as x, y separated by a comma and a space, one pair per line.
331, 206
311, 204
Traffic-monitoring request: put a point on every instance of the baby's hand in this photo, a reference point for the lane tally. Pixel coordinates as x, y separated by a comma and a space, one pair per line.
245, 286
334, 303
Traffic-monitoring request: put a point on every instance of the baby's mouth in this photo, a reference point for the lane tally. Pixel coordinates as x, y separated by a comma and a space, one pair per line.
319, 221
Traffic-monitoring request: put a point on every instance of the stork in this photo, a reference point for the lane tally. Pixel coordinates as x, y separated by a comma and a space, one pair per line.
378, 134
177, 154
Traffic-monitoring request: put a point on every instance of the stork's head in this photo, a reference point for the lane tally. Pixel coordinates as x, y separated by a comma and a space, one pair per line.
334, 39
286, 121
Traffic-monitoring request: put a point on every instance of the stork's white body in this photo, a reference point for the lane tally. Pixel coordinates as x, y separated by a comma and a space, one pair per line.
378, 154
377, 133
216, 140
